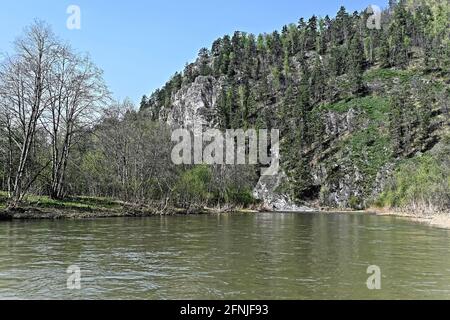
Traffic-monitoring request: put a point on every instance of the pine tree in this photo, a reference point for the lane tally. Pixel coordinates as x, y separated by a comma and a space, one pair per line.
341, 26
144, 102
384, 51
318, 81
311, 34
276, 49
222, 117
355, 64
424, 110
203, 61
225, 55
177, 81
400, 37
336, 63
398, 120
289, 117
250, 53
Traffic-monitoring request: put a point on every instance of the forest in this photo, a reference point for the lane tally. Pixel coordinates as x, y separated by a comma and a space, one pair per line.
363, 116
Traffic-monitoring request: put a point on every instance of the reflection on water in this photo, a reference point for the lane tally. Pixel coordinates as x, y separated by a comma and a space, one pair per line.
262, 256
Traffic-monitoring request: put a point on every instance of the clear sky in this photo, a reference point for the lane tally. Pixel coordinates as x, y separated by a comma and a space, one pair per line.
141, 43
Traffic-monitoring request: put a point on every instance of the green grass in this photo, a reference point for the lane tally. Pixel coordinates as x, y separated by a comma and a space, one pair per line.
387, 74
368, 148
74, 203
78, 203
375, 107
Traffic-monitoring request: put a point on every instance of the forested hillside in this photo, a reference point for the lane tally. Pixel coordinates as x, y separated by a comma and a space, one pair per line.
358, 108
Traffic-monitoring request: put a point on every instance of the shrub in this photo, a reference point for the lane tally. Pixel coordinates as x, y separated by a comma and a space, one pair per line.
193, 186
241, 197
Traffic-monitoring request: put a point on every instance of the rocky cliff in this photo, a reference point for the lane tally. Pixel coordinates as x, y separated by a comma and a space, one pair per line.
349, 111
196, 104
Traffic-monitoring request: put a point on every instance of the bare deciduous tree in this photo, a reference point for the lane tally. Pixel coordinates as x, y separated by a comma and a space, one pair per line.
77, 93
45, 86
22, 87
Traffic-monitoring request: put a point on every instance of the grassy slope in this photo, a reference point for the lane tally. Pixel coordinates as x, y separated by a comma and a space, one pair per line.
417, 182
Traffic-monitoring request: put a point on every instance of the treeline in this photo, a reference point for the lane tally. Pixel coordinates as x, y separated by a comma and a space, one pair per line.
61, 135
316, 53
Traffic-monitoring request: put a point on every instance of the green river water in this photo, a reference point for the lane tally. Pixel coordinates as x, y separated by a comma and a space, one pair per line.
229, 256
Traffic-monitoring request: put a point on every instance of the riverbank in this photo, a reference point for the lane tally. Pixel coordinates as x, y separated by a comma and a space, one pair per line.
438, 220
33, 213
42, 207
27, 213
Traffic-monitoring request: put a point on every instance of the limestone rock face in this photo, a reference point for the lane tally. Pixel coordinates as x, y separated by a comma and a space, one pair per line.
334, 173
194, 105
266, 191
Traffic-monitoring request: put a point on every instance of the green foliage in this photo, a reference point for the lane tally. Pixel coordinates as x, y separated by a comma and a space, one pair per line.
3, 199
423, 181
194, 185
375, 107
344, 44
238, 196
198, 186
356, 65
70, 203
355, 203
369, 151
292, 80
383, 74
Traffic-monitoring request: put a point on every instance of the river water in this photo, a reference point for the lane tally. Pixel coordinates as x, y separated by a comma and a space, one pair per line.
229, 256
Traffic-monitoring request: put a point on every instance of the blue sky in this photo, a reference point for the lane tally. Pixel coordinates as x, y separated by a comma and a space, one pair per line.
140, 44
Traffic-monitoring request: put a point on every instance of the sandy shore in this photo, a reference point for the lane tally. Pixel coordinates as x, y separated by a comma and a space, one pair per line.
439, 220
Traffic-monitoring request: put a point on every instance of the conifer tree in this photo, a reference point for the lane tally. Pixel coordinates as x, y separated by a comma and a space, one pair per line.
355, 67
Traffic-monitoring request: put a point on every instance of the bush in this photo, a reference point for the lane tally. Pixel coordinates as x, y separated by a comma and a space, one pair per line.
355, 203
193, 186
242, 197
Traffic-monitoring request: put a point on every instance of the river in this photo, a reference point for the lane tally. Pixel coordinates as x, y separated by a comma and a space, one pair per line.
228, 256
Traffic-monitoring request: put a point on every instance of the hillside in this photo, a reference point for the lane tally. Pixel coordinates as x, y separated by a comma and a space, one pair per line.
363, 113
